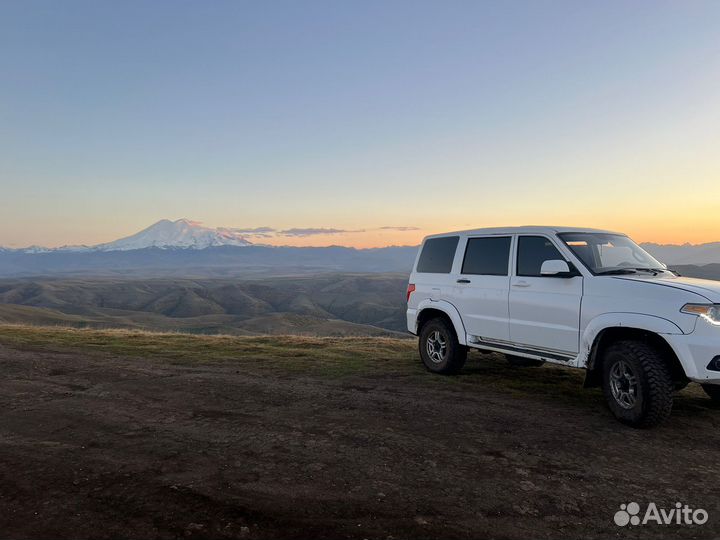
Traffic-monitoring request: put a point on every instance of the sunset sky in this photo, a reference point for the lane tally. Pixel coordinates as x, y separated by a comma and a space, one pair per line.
383, 120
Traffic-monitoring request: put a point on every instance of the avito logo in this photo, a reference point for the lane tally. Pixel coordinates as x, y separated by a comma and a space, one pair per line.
630, 514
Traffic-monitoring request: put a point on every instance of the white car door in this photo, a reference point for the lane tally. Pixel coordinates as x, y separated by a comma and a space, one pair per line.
433, 277
544, 311
482, 284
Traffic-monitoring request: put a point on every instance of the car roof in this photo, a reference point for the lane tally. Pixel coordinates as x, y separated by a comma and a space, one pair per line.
523, 230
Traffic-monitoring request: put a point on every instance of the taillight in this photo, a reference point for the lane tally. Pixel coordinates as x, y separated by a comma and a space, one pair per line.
411, 289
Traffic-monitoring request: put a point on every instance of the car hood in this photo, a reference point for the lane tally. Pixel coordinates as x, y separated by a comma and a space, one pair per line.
705, 287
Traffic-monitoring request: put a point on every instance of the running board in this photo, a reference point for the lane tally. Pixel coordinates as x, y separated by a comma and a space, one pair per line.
506, 348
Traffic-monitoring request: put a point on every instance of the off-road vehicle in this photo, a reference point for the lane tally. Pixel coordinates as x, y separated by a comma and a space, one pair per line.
581, 298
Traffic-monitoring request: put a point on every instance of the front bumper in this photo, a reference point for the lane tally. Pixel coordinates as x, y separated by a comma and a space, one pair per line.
697, 350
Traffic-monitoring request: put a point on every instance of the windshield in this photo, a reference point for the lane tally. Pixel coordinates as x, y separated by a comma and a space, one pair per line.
606, 253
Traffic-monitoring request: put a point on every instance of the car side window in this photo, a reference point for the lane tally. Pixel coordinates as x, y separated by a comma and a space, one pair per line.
437, 255
533, 251
487, 256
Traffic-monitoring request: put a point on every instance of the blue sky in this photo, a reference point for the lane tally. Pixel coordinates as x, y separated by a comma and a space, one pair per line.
357, 116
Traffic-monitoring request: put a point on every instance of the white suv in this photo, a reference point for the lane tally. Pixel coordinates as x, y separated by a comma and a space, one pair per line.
581, 298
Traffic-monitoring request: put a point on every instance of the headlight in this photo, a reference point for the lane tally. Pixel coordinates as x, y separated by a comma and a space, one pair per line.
710, 312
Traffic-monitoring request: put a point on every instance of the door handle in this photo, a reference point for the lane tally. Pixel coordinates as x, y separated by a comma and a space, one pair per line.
521, 284
463, 281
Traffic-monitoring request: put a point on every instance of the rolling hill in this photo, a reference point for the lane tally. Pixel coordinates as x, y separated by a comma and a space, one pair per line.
330, 304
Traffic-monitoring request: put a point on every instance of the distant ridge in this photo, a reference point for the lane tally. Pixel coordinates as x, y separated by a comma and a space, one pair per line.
218, 261
697, 254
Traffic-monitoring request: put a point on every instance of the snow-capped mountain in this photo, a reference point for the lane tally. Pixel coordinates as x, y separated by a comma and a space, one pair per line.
165, 234
180, 234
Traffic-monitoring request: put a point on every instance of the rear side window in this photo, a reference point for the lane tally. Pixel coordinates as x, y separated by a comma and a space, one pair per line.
437, 255
487, 256
533, 251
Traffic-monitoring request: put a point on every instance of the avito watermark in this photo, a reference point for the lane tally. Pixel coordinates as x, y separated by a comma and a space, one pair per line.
680, 514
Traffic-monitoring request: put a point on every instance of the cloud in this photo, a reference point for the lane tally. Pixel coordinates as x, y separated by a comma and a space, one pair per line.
263, 232
256, 230
299, 232
391, 228
317, 231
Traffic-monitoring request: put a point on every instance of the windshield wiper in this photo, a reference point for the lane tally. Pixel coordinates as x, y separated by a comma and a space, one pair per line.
654, 271
616, 272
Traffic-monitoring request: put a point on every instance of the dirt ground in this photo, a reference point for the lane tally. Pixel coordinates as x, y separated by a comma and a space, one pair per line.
103, 446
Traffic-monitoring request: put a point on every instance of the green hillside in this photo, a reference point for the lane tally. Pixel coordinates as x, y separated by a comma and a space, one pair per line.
330, 304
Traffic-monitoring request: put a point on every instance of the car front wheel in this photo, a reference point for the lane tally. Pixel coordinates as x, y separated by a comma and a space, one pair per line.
439, 347
637, 384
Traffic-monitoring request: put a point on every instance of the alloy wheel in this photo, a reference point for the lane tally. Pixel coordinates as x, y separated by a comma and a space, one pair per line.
624, 384
436, 346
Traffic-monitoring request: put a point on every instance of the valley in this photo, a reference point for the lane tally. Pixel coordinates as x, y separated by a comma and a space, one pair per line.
254, 303
325, 304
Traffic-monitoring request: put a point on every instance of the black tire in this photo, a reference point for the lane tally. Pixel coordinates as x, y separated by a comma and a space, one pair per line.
637, 384
713, 391
448, 355
520, 361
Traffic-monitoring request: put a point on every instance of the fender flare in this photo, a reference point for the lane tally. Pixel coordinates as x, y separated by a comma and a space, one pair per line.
448, 309
635, 321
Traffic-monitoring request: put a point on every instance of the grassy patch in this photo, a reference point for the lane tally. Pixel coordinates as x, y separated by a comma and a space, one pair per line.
332, 355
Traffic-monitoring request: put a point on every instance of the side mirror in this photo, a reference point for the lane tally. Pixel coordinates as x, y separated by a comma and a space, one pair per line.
556, 268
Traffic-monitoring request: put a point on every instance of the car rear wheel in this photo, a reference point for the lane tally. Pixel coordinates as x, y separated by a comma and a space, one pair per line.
439, 347
637, 384
713, 391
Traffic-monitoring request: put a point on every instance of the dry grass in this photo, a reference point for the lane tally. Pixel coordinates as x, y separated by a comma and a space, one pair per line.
328, 354
317, 356
331, 356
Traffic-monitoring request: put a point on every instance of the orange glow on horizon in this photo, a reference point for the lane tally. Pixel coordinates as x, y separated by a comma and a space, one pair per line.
369, 240
670, 234
698, 228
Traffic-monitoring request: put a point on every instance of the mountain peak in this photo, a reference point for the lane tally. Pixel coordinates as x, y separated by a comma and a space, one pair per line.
182, 233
